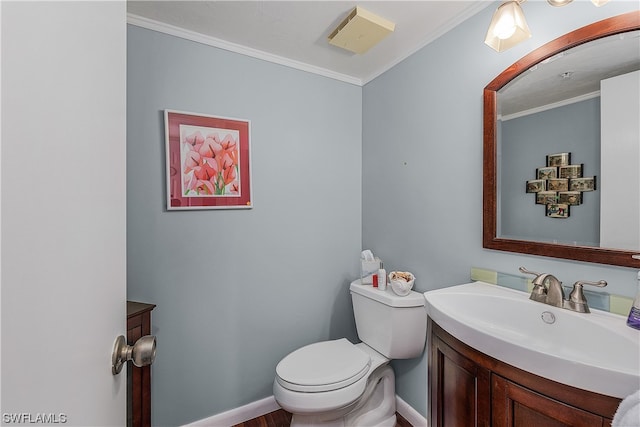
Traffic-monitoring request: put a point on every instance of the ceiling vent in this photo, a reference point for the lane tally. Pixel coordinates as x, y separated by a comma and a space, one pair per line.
360, 31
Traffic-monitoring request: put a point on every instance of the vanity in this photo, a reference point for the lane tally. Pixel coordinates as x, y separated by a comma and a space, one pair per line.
497, 358
502, 357
468, 387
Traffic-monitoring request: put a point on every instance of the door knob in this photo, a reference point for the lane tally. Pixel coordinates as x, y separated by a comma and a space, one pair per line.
142, 353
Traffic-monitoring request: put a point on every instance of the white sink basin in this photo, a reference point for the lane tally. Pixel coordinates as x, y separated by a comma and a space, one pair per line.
595, 351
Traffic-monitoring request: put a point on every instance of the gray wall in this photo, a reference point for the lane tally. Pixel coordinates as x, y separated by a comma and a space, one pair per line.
237, 290
401, 158
573, 128
422, 163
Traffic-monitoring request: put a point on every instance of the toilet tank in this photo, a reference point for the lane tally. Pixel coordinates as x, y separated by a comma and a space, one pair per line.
392, 325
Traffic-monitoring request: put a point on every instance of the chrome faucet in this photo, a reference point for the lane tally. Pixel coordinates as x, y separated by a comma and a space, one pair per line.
547, 289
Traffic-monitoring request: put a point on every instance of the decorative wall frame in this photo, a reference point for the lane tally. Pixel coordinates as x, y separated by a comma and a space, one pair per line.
570, 171
571, 198
208, 161
559, 159
560, 185
582, 184
546, 197
558, 210
548, 172
536, 185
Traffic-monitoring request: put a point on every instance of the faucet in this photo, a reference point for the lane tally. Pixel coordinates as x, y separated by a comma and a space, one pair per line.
547, 289
577, 301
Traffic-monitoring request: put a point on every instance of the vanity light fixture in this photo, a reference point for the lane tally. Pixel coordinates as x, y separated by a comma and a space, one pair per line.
559, 3
508, 27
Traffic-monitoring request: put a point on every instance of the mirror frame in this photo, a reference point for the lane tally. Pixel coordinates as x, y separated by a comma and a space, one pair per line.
618, 24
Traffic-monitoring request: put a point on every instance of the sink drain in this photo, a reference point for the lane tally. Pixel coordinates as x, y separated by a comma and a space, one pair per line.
548, 317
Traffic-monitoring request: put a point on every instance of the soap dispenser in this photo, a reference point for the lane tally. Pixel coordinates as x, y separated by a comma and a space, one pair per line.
634, 315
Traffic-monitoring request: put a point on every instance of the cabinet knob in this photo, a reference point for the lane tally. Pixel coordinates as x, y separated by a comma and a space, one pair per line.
142, 353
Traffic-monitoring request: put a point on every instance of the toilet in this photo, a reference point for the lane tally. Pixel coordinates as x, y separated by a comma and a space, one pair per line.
337, 383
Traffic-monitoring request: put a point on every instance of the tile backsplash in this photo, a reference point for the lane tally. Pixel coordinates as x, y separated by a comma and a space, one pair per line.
598, 300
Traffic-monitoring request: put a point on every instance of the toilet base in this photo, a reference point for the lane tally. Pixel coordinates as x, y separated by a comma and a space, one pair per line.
378, 410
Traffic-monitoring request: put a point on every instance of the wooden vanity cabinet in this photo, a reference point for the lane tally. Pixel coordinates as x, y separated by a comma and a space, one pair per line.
469, 388
138, 379
514, 405
460, 388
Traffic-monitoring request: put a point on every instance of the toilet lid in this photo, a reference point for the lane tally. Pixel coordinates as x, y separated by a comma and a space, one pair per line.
323, 366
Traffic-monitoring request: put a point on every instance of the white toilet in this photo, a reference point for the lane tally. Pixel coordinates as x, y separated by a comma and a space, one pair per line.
337, 383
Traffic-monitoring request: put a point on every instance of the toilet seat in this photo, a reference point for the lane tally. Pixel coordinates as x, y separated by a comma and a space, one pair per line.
323, 366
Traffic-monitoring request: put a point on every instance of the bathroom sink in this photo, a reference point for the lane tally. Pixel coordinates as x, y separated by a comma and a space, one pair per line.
596, 351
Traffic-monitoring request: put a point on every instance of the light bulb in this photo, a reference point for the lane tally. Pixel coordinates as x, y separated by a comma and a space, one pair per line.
508, 27
559, 3
505, 27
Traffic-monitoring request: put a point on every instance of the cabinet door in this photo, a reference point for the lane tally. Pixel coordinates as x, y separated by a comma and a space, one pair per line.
516, 406
460, 389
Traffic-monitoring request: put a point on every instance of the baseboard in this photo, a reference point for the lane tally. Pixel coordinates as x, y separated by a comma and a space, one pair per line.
408, 413
239, 415
269, 404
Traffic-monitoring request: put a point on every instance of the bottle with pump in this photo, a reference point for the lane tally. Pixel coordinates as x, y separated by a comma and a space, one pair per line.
634, 315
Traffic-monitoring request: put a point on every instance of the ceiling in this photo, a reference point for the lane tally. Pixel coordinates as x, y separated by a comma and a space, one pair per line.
570, 76
295, 33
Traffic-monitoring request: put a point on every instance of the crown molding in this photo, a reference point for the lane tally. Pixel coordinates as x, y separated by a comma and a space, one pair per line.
551, 106
162, 27
172, 30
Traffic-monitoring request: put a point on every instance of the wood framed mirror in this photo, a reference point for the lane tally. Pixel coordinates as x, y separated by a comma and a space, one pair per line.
628, 22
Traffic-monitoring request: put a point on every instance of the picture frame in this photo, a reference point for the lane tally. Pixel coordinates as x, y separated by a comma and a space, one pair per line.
583, 184
571, 198
548, 172
558, 184
559, 159
536, 185
570, 171
558, 210
208, 163
546, 197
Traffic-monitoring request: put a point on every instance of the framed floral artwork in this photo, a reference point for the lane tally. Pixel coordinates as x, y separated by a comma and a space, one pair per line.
208, 161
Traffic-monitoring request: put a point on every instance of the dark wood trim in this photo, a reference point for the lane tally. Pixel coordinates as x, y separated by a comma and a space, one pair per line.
282, 418
595, 403
138, 379
619, 24
135, 308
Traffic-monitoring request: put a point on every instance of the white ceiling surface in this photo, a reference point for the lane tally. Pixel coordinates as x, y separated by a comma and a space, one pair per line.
571, 75
295, 33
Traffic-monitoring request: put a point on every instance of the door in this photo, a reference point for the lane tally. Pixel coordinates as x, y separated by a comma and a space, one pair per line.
517, 406
63, 211
460, 388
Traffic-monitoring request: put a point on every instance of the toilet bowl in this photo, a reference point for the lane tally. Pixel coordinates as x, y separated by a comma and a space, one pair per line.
337, 383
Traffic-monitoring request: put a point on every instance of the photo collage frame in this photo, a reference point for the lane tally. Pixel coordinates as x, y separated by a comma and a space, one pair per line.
559, 185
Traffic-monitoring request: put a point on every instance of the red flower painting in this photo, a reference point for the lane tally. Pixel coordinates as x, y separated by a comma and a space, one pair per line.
207, 162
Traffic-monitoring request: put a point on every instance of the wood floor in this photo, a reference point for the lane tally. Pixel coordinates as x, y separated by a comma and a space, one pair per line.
282, 418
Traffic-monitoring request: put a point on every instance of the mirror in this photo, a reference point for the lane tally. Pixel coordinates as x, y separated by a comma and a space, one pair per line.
579, 247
